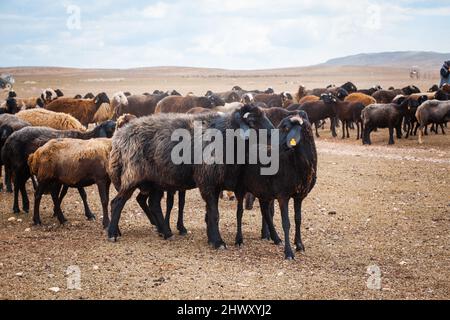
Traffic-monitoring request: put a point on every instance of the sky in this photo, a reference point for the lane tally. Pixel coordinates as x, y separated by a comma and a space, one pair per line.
231, 34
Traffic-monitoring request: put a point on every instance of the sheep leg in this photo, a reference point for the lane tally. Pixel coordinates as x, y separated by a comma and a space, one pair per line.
417, 127
103, 190
62, 195
117, 205
155, 200
284, 205
16, 209
317, 129
169, 207
25, 201
391, 135
298, 223
37, 202
265, 231
249, 201
212, 203
343, 129
442, 128
57, 204
142, 201
358, 131
366, 139
421, 134
407, 128
181, 203
8, 181
348, 125
35, 184
240, 212
398, 130
268, 221
87, 211
333, 127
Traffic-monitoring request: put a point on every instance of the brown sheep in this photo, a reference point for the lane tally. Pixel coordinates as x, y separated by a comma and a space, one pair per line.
301, 93
175, 104
82, 109
72, 163
274, 100
360, 97
386, 96
309, 98
138, 105
45, 118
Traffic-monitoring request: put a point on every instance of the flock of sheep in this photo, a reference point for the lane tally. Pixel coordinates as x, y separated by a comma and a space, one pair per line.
47, 139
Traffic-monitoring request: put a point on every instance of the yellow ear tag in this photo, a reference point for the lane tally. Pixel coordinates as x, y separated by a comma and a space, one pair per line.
293, 143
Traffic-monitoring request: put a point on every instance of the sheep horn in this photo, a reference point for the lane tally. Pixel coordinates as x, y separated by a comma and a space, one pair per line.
246, 115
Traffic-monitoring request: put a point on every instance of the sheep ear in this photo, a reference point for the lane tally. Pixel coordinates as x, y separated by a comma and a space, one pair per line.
244, 128
297, 120
294, 136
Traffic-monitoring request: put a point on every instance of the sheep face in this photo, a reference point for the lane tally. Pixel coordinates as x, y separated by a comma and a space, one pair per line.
434, 88
248, 98
40, 103
341, 94
59, 93
269, 91
101, 98
216, 101
291, 130
12, 94
328, 98
349, 87
106, 129
285, 96
89, 95
11, 106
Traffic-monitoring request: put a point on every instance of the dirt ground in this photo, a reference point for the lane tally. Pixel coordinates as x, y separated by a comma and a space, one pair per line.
383, 206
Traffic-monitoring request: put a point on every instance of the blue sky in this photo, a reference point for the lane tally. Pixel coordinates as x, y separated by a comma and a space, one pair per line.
233, 34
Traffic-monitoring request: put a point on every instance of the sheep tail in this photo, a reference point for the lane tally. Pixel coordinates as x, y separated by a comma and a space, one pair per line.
115, 167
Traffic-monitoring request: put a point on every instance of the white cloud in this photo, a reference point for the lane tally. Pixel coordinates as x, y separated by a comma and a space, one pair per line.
156, 11
217, 33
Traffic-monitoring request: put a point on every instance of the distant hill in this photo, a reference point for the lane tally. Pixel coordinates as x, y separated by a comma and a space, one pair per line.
422, 59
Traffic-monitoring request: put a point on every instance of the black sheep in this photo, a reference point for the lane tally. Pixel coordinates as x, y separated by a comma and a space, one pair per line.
319, 110
26, 141
389, 115
8, 125
295, 179
141, 159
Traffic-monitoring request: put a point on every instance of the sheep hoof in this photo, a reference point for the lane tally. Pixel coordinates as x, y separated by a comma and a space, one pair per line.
169, 238
300, 248
278, 242
290, 257
219, 245
182, 231
91, 218
113, 239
